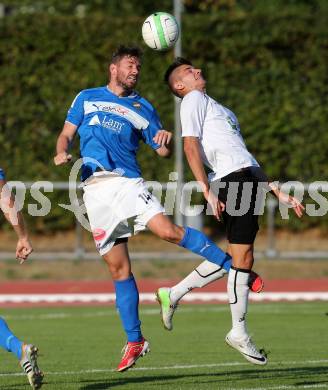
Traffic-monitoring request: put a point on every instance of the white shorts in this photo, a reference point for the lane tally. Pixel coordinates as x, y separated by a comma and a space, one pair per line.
118, 207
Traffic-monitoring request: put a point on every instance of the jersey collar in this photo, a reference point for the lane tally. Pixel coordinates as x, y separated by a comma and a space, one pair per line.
133, 94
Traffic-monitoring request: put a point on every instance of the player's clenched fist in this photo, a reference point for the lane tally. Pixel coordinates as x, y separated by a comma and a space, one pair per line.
23, 249
62, 158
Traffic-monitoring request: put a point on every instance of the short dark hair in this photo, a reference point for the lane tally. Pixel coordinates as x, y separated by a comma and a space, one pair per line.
175, 64
129, 51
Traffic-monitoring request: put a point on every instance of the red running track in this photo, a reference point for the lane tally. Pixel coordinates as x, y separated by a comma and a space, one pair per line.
145, 285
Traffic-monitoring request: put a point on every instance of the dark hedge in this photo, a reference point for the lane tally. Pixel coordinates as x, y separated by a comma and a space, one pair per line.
266, 60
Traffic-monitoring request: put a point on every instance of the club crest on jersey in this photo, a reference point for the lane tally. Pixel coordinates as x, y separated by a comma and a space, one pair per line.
137, 105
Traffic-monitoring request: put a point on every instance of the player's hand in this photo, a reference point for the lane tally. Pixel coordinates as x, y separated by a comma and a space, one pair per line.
23, 249
163, 137
293, 202
217, 206
62, 158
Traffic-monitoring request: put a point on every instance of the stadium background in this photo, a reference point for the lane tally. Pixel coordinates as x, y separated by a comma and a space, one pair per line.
267, 60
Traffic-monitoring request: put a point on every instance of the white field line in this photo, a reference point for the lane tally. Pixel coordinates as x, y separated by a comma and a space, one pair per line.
265, 308
109, 313
150, 297
283, 387
181, 367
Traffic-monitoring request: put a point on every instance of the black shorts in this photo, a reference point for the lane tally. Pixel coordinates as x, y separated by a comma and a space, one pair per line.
239, 217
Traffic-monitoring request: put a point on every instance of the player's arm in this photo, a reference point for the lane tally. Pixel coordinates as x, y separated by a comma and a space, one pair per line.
192, 152
15, 218
281, 196
164, 139
64, 141
193, 112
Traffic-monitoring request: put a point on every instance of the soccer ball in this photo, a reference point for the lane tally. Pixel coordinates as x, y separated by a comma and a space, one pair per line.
160, 31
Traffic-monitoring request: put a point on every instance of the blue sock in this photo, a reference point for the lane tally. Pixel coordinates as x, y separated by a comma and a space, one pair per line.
127, 302
9, 341
197, 242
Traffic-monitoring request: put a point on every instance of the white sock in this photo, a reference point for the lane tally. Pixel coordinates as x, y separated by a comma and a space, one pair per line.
238, 291
204, 274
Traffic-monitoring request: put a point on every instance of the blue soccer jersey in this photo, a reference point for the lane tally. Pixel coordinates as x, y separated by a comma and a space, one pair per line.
110, 129
2, 174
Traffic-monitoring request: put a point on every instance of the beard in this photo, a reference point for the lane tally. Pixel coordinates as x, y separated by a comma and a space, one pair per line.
127, 85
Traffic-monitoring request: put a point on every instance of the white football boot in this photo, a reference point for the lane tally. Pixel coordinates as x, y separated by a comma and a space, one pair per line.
248, 349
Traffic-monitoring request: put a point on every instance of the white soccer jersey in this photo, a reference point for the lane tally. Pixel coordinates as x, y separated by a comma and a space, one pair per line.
222, 146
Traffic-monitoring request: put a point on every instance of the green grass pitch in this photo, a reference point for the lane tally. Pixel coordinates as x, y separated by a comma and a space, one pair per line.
80, 348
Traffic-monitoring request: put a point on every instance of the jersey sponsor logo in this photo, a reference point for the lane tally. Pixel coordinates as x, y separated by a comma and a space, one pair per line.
112, 124
107, 122
138, 121
94, 121
98, 234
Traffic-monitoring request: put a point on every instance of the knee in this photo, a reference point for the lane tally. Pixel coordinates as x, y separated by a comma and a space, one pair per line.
243, 262
118, 271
